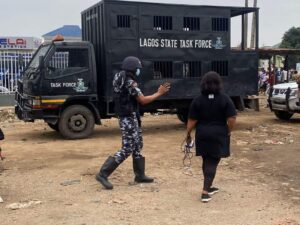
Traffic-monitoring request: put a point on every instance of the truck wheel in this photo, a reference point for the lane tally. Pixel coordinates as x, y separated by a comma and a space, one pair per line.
183, 116
53, 126
76, 122
283, 115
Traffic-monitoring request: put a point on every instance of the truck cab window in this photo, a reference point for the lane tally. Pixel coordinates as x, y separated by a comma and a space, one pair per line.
219, 24
67, 61
162, 23
123, 21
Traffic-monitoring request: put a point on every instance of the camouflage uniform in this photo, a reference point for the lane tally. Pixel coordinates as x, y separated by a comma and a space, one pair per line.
130, 123
126, 92
132, 140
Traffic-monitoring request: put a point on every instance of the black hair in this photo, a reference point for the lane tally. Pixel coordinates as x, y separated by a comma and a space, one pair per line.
211, 83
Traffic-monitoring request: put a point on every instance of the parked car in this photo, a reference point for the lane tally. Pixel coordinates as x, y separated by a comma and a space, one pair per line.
283, 100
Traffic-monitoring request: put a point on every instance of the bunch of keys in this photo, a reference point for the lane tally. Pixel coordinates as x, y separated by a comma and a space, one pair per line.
188, 154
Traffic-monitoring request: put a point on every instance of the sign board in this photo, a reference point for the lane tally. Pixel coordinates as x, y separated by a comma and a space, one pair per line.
175, 43
25, 43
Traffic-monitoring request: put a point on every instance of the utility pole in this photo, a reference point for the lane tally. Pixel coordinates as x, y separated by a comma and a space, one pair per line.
245, 34
253, 29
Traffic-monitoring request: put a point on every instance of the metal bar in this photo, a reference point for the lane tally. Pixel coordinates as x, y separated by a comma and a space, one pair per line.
243, 33
15, 71
257, 29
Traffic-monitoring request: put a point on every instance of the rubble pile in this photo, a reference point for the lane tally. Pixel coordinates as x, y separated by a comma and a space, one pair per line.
265, 135
7, 115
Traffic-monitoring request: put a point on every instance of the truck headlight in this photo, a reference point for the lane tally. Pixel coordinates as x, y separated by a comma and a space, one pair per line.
36, 103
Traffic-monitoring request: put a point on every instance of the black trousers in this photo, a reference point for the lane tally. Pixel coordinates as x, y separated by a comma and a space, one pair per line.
209, 168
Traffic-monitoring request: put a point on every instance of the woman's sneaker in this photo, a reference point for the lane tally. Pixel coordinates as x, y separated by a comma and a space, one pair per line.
205, 198
213, 190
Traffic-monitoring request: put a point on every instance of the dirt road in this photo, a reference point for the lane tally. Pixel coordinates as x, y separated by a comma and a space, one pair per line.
260, 182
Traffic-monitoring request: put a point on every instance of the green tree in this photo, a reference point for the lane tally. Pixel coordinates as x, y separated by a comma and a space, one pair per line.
291, 39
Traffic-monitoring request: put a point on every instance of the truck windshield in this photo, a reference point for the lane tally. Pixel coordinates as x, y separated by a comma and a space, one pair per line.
41, 52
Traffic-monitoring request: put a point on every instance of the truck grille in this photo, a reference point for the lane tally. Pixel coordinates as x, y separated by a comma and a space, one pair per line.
20, 87
279, 91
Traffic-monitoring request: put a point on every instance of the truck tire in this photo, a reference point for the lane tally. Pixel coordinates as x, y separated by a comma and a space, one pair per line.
283, 115
53, 126
76, 122
183, 116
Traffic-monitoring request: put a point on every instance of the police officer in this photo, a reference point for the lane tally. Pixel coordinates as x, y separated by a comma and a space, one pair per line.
127, 98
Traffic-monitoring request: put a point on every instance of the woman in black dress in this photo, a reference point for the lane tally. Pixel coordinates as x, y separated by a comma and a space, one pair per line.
214, 115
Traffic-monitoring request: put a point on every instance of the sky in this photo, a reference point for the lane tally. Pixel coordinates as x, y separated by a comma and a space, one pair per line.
33, 18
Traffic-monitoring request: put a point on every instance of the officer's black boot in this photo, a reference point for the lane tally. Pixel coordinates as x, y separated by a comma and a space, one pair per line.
139, 171
107, 168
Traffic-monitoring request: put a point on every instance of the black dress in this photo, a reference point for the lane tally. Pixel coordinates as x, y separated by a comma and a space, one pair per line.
211, 112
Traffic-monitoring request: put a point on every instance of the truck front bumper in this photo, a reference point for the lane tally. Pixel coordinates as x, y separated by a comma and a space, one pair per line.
288, 105
24, 111
28, 115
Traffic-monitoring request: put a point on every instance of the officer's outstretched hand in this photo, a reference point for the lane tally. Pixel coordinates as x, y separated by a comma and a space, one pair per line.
164, 88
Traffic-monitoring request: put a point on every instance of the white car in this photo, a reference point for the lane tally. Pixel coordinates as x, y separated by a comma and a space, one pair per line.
4, 90
283, 99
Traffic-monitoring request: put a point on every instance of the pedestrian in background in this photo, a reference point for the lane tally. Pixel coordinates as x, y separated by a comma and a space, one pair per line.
278, 75
263, 82
271, 78
284, 75
214, 115
127, 98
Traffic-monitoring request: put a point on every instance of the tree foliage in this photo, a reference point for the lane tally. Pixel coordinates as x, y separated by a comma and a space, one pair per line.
291, 39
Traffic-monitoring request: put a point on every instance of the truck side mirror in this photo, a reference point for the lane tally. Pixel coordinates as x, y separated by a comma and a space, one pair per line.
41, 62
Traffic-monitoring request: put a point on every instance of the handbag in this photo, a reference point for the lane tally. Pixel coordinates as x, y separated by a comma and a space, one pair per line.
1, 134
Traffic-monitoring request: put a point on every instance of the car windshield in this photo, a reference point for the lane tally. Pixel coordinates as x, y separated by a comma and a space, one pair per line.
41, 52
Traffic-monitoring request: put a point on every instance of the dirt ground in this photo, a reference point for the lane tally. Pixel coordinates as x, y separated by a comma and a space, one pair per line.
259, 183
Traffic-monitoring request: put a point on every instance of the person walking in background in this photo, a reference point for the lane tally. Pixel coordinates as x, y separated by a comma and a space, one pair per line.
284, 75
278, 74
263, 82
271, 78
214, 115
127, 98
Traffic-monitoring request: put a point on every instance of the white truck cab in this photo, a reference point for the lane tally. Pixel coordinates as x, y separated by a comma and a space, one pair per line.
283, 100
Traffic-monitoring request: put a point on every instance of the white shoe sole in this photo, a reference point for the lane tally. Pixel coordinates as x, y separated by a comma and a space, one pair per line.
214, 192
205, 200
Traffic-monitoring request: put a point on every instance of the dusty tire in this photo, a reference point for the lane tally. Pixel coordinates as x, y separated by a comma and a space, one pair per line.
183, 116
283, 115
53, 126
76, 122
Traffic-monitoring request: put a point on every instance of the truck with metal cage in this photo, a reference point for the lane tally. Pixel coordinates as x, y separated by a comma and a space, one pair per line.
69, 84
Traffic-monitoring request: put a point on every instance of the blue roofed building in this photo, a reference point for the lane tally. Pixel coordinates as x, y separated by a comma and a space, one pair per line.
69, 32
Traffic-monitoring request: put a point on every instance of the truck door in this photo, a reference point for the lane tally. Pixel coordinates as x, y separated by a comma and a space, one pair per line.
68, 72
